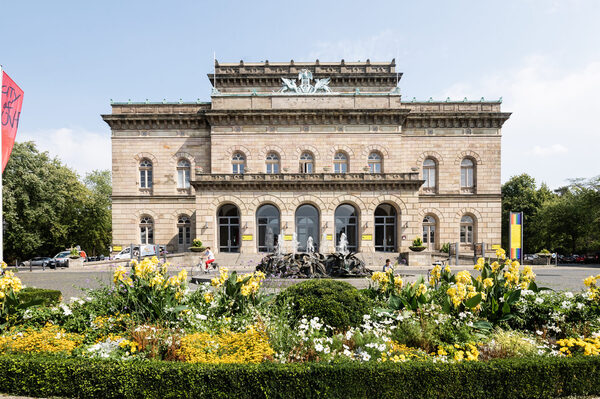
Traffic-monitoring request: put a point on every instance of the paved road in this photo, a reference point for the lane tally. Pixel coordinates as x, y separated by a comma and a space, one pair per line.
71, 282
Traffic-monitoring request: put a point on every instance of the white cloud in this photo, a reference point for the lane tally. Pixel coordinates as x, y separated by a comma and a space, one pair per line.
549, 150
81, 150
554, 109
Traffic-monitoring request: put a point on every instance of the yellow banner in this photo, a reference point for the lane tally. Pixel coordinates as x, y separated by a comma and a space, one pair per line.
117, 248
367, 237
496, 246
329, 237
515, 236
247, 237
287, 237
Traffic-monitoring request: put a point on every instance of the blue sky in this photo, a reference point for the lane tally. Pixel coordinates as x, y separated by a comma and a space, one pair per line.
542, 57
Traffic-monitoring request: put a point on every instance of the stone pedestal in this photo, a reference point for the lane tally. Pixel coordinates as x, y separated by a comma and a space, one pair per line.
417, 258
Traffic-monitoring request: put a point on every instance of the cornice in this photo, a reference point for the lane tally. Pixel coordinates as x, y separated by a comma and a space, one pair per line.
309, 182
307, 116
456, 119
156, 121
160, 197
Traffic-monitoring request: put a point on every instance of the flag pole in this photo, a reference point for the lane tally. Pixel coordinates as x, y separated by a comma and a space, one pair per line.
1, 178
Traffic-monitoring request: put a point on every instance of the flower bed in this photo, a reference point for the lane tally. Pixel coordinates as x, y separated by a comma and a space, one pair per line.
493, 321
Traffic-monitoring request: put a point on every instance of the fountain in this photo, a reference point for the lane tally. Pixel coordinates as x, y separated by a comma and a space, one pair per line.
294, 244
279, 246
310, 247
311, 264
342, 247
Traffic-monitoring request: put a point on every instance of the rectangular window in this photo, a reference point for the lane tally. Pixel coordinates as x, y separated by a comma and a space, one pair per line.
466, 177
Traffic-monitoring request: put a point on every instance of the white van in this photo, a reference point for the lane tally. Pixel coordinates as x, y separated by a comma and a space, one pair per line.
147, 250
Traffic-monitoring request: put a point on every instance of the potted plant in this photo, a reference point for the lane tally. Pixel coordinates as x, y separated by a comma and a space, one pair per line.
197, 245
74, 254
417, 245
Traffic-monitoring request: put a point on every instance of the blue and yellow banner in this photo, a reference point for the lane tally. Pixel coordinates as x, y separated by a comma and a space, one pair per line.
516, 236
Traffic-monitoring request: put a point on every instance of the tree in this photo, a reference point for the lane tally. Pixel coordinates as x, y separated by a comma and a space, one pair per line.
519, 194
47, 208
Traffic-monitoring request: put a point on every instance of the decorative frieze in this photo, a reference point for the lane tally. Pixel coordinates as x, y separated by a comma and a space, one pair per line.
307, 181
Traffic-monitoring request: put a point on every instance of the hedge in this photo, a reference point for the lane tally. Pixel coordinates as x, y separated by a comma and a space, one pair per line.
507, 378
48, 297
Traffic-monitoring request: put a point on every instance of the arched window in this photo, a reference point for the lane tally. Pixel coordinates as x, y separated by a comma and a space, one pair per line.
429, 175
145, 173
467, 173
466, 229
307, 225
375, 163
184, 230
429, 231
183, 173
346, 221
340, 163
272, 163
238, 162
146, 230
385, 228
268, 225
307, 164
228, 219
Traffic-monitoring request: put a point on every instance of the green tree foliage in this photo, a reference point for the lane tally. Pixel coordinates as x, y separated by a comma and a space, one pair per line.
520, 194
566, 221
47, 208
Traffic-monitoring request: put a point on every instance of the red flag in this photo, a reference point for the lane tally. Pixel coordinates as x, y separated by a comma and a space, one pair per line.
12, 100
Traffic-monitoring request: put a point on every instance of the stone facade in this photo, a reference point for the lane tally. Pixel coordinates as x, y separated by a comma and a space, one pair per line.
363, 114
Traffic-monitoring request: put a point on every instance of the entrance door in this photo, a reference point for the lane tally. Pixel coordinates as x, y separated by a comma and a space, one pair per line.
229, 228
267, 222
307, 225
346, 221
385, 228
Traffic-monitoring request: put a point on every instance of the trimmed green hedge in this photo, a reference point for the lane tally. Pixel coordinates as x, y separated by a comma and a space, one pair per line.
508, 378
337, 303
48, 297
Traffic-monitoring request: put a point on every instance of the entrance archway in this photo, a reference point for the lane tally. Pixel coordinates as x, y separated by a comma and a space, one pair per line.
268, 225
228, 219
307, 225
385, 228
346, 221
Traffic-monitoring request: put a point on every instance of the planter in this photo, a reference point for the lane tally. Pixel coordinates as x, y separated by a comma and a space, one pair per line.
197, 249
417, 249
74, 256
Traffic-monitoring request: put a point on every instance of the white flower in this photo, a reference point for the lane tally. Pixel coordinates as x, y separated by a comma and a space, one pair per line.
348, 335
527, 292
580, 305
366, 317
365, 356
538, 332
318, 347
462, 315
569, 295
347, 353
539, 300
566, 304
326, 349
66, 310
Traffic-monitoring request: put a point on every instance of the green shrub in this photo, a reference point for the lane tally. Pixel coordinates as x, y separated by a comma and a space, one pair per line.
47, 296
504, 378
337, 303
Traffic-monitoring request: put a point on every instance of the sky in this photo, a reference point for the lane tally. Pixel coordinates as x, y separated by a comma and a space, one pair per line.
541, 56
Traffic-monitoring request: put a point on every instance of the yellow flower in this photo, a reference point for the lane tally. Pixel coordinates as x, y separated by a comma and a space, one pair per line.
463, 277
421, 290
480, 264
488, 282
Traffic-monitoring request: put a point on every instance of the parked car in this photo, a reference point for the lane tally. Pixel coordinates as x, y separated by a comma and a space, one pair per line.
61, 259
42, 261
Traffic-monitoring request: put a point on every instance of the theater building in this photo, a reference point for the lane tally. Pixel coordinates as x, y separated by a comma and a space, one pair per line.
316, 149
